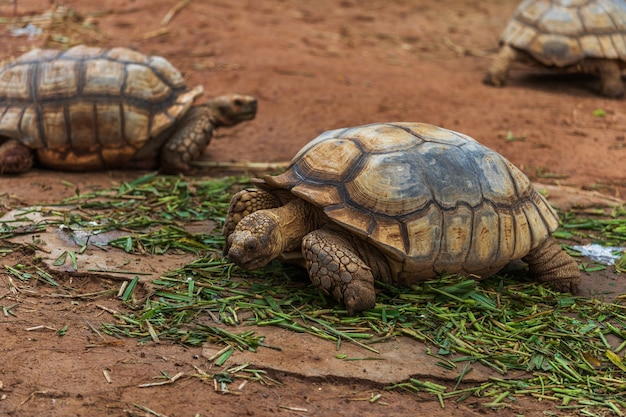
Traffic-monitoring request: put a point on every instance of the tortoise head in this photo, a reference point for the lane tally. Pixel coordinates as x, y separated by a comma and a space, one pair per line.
255, 241
232, 109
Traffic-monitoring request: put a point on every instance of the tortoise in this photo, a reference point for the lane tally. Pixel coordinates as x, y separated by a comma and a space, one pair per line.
587, 36
400, 203
89, 108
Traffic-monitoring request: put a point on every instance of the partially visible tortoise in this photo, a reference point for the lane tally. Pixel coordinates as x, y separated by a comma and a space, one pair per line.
89, 108
574, 35
400, 203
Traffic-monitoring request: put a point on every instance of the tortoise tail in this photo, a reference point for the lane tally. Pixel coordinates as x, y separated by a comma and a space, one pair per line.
549, 263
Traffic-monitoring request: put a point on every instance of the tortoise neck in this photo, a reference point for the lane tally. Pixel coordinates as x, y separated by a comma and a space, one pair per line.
296, 219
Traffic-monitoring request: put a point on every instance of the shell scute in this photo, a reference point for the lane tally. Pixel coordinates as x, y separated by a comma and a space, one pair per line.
145, 85
325, 195
103, 76
389, 233
389, 183
521, 182
523, 236
78, 52
485, 243
384, 138
119, 153
426, 232
456, 238
560, 20
532, 11
126, 55
108, 119
449, 175
15, 83
498, 183
434, 134
166, 70
83, 123
554, 49
10, 120
506, 233
329, 160
30, 128
55, 129
136, 123
356, 221
56, 79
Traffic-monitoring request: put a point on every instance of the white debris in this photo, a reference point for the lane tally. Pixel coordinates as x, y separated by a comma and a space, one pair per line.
29, 30
606, 255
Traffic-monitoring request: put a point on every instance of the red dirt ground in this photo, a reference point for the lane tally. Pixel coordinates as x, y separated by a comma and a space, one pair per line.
314, 66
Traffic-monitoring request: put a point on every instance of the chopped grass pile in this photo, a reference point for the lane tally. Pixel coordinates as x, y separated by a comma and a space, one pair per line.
541, 343
152, 210
562, 348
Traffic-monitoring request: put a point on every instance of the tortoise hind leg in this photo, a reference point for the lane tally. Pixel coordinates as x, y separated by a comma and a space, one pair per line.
15, 157
549, 263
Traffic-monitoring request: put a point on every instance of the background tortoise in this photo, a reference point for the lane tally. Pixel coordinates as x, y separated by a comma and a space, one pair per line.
89, 108
576, 35
397, 202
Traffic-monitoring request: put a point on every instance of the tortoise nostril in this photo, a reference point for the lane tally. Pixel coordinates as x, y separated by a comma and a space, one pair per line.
251, 245
234, 255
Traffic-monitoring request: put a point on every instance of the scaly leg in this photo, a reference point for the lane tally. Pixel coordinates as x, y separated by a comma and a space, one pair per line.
189, 140
335, 267
549, 263
496, 76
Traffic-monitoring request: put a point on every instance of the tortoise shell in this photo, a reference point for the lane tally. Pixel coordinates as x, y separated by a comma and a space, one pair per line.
430, 199
564, 32
90, 107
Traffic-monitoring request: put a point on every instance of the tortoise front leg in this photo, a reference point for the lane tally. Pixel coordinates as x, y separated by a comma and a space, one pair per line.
335, 268
549, 263
243, 203
15, 157
190, 138
498, 72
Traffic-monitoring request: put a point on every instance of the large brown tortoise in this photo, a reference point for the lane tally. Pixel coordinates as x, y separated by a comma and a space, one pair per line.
400, 203
572, 35
89, 108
